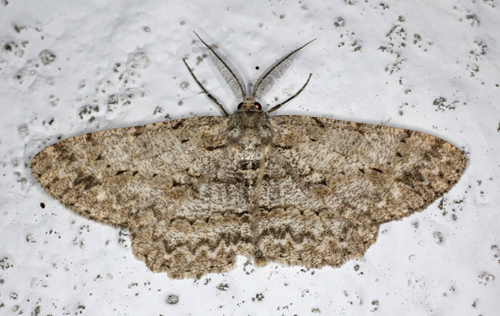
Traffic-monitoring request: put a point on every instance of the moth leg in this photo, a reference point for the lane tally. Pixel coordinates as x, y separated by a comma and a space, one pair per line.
211, 97
276, 107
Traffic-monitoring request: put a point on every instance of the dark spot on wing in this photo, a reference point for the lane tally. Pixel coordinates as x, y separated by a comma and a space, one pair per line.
89, 181
360, 128
212, 148
318, 122
285, 147
410, 176
177, 125
139, 130
176, 184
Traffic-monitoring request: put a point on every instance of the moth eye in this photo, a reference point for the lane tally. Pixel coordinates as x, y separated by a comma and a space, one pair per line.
240, 105
258, 106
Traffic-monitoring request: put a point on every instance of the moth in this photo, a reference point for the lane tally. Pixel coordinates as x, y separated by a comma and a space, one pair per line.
194, 193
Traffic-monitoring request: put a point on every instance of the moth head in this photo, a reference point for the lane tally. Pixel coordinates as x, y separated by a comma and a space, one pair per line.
249, 103
255, 105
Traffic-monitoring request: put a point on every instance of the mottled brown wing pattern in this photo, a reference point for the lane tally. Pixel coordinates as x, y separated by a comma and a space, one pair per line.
296, 227
340, 181
205, 230
153, 180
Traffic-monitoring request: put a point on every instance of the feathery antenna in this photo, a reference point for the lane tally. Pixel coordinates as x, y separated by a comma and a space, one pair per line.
276, 71
227, 70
